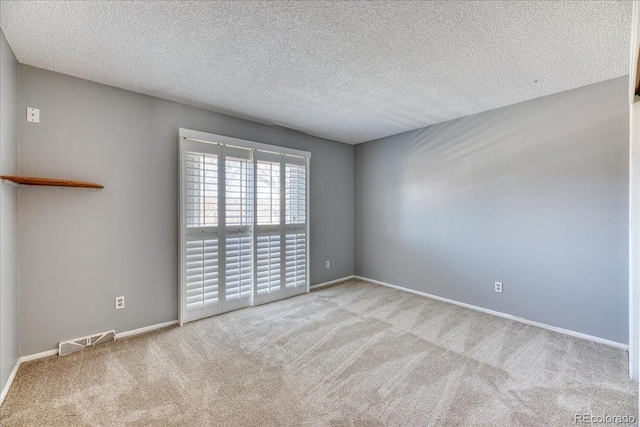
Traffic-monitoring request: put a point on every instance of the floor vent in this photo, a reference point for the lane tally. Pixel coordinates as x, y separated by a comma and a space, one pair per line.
77, 344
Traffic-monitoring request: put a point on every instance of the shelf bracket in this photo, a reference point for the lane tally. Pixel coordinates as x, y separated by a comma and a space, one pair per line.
11, 183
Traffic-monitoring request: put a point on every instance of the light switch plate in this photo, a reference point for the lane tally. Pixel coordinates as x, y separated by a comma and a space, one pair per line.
33, 115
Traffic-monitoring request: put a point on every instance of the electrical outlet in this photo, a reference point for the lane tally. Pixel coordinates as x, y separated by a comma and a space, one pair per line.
119, 303
328, 264
498, 286
33, 115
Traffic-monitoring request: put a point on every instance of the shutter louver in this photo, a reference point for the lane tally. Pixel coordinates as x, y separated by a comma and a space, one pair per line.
296, 196
268, 192
239, 192
296, 260
201, 190
268, 265
201, 274
238, 271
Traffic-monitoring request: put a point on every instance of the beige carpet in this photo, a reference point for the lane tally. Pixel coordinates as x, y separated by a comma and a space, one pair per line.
354, 354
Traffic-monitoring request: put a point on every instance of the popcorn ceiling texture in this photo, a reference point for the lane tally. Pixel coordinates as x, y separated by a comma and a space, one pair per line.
347, 71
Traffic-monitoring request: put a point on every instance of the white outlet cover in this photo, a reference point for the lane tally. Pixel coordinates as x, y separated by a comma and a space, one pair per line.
498, 287
328, 264
33, 115
119, 303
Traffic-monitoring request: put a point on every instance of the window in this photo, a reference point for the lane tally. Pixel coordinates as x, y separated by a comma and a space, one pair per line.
256, 251
296, 231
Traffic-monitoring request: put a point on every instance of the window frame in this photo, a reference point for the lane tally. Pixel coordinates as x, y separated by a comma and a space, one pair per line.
192, 141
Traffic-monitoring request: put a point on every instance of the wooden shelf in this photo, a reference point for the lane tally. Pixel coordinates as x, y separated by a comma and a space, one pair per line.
50, 182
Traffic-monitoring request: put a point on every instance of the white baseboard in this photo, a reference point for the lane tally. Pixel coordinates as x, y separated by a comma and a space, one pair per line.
331, 282
124, 334
504, 315
40, 355
6, 387
145, 329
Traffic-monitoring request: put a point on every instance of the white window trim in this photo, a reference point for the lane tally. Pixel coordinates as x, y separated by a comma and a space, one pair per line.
186, 135
212, 138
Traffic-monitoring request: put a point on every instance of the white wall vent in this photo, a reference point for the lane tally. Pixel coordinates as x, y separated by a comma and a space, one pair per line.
77, 344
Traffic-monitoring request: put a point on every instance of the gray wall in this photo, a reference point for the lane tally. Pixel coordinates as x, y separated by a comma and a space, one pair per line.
9, 281
534, 195
80, 249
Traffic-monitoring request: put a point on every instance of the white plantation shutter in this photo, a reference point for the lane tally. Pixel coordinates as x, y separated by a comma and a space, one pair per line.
239, 191
201, 189
268, 192
296, 194
268, 227
243, 224
201, 258
296, 261
239, 203
295, 185
202, 274
238, 276
268, 265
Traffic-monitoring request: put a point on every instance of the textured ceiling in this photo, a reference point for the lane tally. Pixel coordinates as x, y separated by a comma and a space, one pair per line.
347, 71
